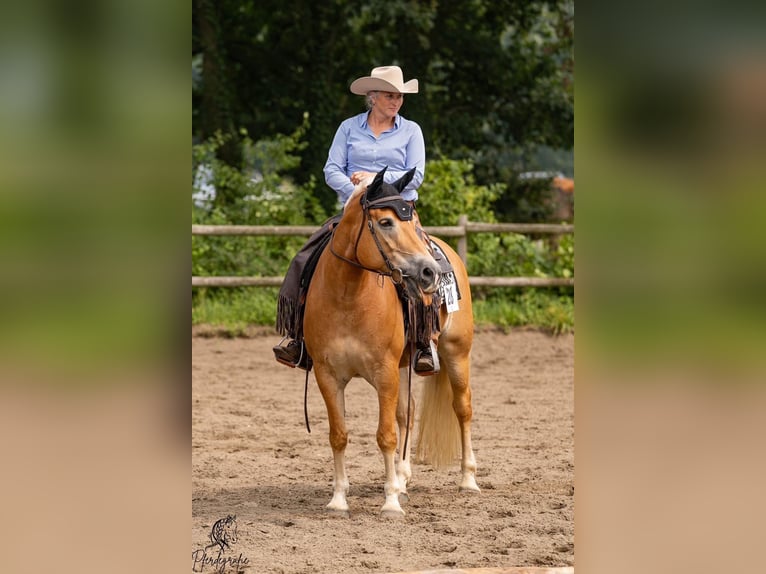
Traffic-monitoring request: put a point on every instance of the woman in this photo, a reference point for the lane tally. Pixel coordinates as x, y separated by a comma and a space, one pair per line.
363, 145
368, 142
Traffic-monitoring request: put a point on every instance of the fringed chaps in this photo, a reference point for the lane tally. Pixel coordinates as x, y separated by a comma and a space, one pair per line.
292, 295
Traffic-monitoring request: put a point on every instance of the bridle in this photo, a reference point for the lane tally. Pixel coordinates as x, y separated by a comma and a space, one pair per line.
403, 210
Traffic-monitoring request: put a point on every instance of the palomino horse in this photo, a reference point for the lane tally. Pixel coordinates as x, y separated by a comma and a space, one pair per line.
354, 327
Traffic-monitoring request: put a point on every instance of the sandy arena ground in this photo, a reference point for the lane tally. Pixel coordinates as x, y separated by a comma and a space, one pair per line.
252, 457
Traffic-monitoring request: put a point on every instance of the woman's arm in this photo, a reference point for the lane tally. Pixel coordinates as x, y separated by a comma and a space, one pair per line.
335, 167
415, 156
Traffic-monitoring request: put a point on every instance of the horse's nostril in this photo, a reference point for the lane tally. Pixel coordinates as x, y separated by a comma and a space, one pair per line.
428, 277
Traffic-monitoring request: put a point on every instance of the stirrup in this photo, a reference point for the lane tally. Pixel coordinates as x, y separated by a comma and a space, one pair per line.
435, 358
303, 362
279, 349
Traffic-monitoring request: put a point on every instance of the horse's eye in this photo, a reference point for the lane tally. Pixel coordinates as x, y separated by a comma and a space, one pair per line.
386, 223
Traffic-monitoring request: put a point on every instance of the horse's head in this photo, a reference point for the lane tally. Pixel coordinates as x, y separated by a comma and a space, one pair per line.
224, 533
229, 534
392, 243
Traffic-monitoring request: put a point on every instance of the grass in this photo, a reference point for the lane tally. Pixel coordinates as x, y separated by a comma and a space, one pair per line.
233, 310
530, 308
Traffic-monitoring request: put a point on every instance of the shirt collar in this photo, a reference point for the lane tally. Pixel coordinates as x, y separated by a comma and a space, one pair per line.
363, 120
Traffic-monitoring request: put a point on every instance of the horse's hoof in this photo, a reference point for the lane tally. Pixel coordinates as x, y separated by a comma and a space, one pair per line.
337, 512
466, 490
392, 513
404, 497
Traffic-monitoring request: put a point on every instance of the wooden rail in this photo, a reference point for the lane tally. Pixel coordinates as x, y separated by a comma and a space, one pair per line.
220, 281
461, 231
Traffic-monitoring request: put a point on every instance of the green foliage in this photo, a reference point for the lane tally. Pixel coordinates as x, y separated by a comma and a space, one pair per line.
257, 194
449, 190
526, 200
564, 265
494, 75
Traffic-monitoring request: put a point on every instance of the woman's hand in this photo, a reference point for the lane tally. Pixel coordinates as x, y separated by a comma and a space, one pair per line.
358, 176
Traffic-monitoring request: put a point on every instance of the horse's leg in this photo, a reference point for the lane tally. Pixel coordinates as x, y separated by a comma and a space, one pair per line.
459, 374
388, 394
333, 393
403, 469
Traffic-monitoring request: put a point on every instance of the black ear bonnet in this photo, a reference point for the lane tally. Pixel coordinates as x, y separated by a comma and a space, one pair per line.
380, 195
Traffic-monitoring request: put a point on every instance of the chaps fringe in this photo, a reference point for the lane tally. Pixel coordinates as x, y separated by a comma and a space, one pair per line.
287, 316
427, 320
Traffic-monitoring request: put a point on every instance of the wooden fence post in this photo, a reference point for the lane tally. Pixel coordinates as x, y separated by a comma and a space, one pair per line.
462, 242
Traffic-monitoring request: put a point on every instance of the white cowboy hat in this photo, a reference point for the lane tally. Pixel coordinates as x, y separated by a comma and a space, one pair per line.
385, 79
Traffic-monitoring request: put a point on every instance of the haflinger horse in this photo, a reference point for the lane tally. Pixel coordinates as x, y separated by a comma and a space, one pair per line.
354, 327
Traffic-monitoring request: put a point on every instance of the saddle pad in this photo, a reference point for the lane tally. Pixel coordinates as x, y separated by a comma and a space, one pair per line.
311, 264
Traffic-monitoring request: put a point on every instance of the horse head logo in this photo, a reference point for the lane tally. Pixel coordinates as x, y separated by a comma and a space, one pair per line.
224, 533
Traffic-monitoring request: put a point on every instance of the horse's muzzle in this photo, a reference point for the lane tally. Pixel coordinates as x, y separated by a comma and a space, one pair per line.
428, 277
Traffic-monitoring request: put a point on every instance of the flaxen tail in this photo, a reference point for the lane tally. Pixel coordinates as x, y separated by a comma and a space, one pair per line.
439, 431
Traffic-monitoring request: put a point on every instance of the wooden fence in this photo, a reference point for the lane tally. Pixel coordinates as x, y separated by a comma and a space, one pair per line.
461, 231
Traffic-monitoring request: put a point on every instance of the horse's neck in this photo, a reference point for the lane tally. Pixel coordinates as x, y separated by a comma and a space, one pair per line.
345, 236
344, 282
347, 278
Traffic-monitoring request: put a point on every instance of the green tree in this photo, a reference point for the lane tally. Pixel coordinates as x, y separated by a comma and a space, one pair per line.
495, 75
213, 100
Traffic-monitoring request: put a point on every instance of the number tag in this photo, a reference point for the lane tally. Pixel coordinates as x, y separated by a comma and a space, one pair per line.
449, 292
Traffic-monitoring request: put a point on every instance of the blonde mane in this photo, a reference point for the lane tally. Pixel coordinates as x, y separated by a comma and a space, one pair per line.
360, 188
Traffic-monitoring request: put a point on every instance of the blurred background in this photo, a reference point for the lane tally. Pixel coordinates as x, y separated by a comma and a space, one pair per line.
94, 393
670, 363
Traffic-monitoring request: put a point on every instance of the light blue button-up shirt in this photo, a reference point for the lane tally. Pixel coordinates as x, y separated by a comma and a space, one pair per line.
355, 148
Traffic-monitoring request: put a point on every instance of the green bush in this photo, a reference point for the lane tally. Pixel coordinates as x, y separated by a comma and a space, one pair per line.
256, 194
449, 190
528, 201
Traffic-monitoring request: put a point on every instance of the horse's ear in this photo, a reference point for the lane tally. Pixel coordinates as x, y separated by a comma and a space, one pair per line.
373, 190
402, 182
